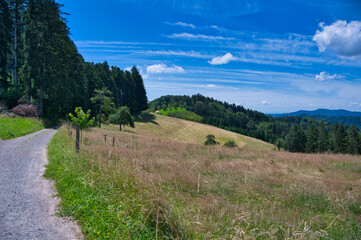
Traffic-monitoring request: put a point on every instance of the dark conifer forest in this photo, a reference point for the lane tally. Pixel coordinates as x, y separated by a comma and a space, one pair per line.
40, 64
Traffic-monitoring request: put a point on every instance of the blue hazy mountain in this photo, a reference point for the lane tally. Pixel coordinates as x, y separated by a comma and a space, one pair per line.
340, 116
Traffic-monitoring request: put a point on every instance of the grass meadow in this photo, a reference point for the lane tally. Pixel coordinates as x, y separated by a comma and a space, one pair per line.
135, 189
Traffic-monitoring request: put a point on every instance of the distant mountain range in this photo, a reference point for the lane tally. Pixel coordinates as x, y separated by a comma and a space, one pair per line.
323, 112
334, 116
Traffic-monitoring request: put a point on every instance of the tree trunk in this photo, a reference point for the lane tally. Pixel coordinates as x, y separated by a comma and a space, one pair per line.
41, 101
120, 127
100, 115
29, 90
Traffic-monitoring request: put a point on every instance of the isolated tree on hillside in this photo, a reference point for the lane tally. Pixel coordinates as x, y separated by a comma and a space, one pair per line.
103, 98
211, 140
124, 117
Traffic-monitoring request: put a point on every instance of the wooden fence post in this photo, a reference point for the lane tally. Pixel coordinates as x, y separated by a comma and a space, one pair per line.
77, 138
105, 138
113, 141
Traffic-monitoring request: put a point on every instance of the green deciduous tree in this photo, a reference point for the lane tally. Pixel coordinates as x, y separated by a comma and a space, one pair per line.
280, 143
211, 140
103, 99
122, 117
82, 119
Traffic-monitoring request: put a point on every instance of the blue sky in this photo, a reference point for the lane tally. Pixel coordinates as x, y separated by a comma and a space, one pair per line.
272, 56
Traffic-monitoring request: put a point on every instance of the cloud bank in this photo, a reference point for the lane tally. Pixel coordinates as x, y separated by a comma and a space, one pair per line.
341, 37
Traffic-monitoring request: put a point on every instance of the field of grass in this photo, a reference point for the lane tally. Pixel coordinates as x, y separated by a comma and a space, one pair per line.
188, 131
16, 127
181, 113
135, 189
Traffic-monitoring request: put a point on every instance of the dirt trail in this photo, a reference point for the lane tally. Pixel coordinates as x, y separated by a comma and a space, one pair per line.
27, 205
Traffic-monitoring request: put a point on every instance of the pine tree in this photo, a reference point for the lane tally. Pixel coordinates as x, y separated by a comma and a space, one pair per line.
353, 140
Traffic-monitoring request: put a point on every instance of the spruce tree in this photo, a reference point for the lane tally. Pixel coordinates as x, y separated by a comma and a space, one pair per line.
5, 38
312, 139
296, 139
140, 93
338, 139
353, 140
323, 141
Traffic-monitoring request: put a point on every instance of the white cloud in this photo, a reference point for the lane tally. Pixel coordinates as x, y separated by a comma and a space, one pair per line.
264, 102
182, 24
190, 36
326, 76
128, 69
223, 59
162, 68
342, 37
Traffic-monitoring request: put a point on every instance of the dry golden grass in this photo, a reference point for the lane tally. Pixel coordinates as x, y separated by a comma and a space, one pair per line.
189, 132
319, 191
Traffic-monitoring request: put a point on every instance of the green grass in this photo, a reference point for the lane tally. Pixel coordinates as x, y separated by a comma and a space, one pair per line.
169, 110
106, 206
16, 127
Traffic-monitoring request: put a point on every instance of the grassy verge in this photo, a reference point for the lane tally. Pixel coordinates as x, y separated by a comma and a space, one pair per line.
106, 199
132, 190
16, 127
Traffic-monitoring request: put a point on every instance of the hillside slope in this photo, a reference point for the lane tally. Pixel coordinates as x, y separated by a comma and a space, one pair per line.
189, 132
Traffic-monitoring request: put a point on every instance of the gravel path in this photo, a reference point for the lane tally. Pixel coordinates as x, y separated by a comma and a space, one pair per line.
27, 205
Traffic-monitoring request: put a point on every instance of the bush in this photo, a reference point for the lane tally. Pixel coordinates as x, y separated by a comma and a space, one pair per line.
26, 110
114, 118
230, 143
3, 107
211, 140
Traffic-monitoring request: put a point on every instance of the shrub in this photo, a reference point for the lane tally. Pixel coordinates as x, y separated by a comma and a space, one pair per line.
3, 107
230, 143
211, 140
26, 110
